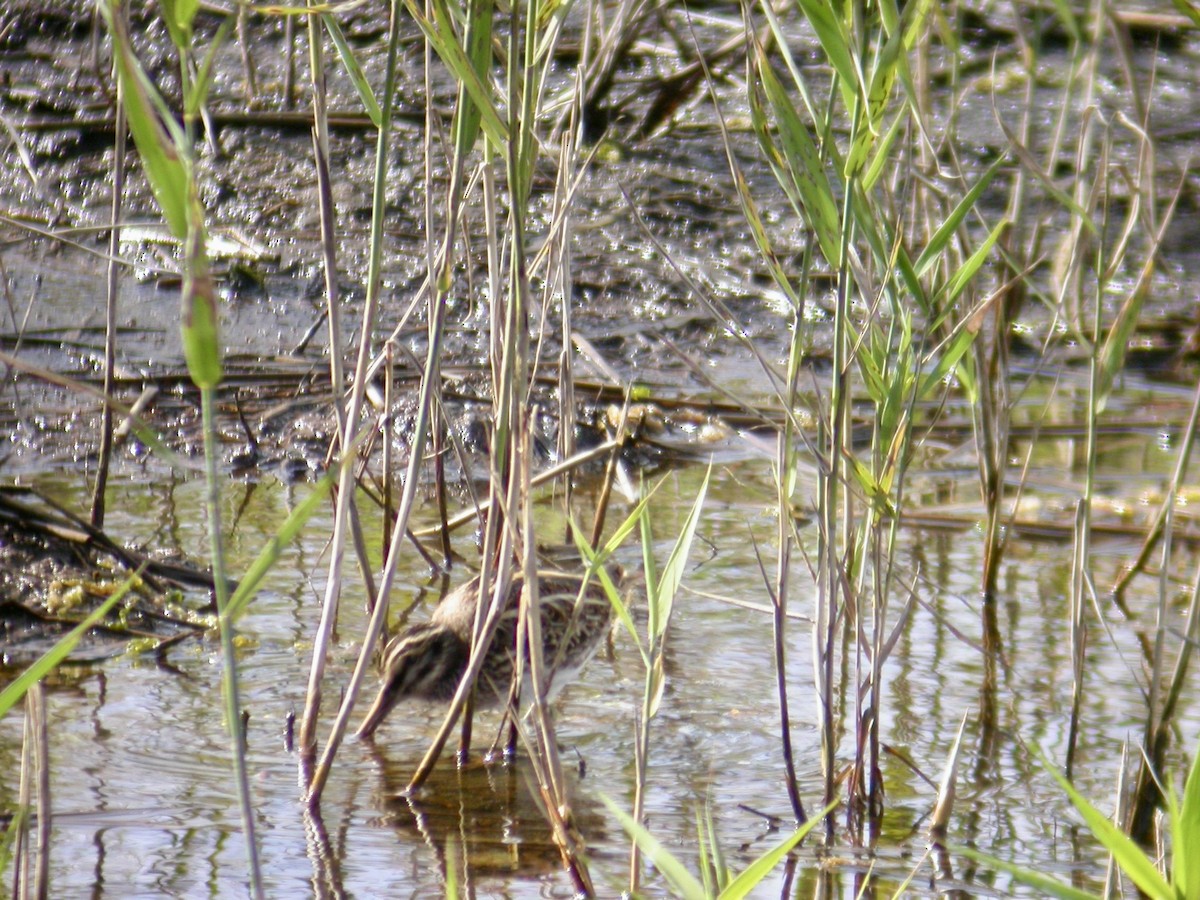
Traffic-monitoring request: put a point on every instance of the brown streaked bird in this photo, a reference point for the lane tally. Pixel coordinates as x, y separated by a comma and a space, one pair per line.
427, 661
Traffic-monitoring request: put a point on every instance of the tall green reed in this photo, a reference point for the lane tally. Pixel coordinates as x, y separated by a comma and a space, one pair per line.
662, 588
904, 320
167, 151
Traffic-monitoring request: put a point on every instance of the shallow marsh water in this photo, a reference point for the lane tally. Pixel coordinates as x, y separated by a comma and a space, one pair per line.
143, 802
142, 796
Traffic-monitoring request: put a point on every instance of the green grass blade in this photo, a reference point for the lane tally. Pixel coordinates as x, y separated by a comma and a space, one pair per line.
479, 53
1189, 9
781, 47
1185, 837
870, 366
878, 95
198, 95
960, 279
631, 522
8, 837
804, 164
1048, 886
883, 152
353, 69
941, 238
719, 866
835, 41
749, 879
672, 573
708, 867
441, 36
56, 654
649, 572
269, 554
684, 883
596, 567
1069, 19
867, 219
1034, 168
199, 326
1128, 855
908, 274
765, 133
949, 357
1116, 344
159, 151
757, 230
178, 16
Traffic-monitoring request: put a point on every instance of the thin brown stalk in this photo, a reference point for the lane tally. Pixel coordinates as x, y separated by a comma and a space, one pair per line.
333, 301
441, 426
1077, 626
249, 77
39, 734
496, 589
557, 471
326, 860
112, 297
20, 842
289, 63
779, 613
387, 460
1156, 733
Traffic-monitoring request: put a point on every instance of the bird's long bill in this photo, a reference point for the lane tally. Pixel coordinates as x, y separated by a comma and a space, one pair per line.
384, 701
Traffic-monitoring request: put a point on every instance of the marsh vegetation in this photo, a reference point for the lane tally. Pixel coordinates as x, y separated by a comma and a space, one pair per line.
864, 333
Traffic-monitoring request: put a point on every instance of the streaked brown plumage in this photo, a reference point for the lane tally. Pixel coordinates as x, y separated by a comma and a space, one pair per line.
427, 661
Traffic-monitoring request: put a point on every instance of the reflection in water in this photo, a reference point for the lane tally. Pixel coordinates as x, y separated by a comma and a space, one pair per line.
326, 860
482, 822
